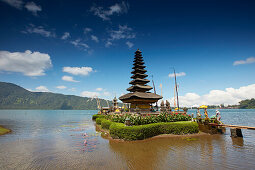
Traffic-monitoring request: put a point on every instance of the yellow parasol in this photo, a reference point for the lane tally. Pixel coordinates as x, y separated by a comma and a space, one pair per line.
176, 109
203, 107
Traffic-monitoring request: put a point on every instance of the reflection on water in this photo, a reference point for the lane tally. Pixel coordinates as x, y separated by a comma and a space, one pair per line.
176, 153
237, 142
68, 140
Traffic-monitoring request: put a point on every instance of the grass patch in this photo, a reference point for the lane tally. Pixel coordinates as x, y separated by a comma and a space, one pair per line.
4, 131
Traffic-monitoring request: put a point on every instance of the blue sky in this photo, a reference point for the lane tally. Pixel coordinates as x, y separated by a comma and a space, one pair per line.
86, 48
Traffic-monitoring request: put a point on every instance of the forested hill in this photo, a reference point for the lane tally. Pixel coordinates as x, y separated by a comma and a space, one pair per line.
16, 97
247, 104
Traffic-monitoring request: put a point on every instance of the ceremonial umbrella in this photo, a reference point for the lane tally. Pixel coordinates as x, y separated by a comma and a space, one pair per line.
203, 107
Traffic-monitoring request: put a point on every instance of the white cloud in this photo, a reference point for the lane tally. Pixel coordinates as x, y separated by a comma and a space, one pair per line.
247, 61
78, 43
177, 74
89, 94
99, 89
129, 44
215, 97
29, 63
87, 30
42, 89
69, 78
108, 44
65, 36
118, 8
14, 3
72, 89
61, 87
39, 30
84, 71
124, 32
94, 38
106, 93
32, 7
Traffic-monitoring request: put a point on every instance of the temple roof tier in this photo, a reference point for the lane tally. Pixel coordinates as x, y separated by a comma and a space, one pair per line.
139, 88
140, 95
138, 63
142, 71
138, 66
137, 60
138, 75
139, 81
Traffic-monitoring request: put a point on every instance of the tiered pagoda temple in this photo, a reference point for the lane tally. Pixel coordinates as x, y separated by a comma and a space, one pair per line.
139, 95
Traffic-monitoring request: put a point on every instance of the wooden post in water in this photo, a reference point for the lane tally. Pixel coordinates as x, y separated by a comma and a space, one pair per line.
235, 132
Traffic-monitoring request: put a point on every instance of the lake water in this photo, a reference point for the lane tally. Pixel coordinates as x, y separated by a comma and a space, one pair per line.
43, 139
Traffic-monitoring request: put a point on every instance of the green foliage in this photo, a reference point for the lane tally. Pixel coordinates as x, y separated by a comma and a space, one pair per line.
119, 130
99, 120
16, 97
148, 119
106, 123
247, 104
94, 117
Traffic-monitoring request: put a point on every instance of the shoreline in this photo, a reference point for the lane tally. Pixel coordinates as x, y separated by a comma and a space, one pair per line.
106, 135
4, 131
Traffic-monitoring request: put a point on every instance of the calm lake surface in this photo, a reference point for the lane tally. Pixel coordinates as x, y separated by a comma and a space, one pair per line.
43, 139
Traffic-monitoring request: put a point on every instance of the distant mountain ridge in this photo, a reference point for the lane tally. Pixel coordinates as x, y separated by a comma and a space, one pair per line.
13, 96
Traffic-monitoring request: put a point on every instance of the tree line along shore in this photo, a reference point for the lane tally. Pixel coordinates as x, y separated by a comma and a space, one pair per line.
15, 97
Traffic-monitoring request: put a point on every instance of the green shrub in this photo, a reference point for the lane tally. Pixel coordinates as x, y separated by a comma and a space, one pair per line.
179, 128
99, 120
106, 123
119, 130
94, 117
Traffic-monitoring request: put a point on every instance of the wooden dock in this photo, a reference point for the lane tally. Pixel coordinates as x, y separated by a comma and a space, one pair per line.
233, 126
235, 130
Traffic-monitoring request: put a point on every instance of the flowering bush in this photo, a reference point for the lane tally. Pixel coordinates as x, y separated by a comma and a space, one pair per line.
148, 119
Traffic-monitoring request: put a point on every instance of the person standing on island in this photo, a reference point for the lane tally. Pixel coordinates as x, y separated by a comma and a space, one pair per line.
206, 114
218, 116
198, 113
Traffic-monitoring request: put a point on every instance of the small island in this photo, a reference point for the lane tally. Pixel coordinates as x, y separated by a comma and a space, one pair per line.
139, 120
